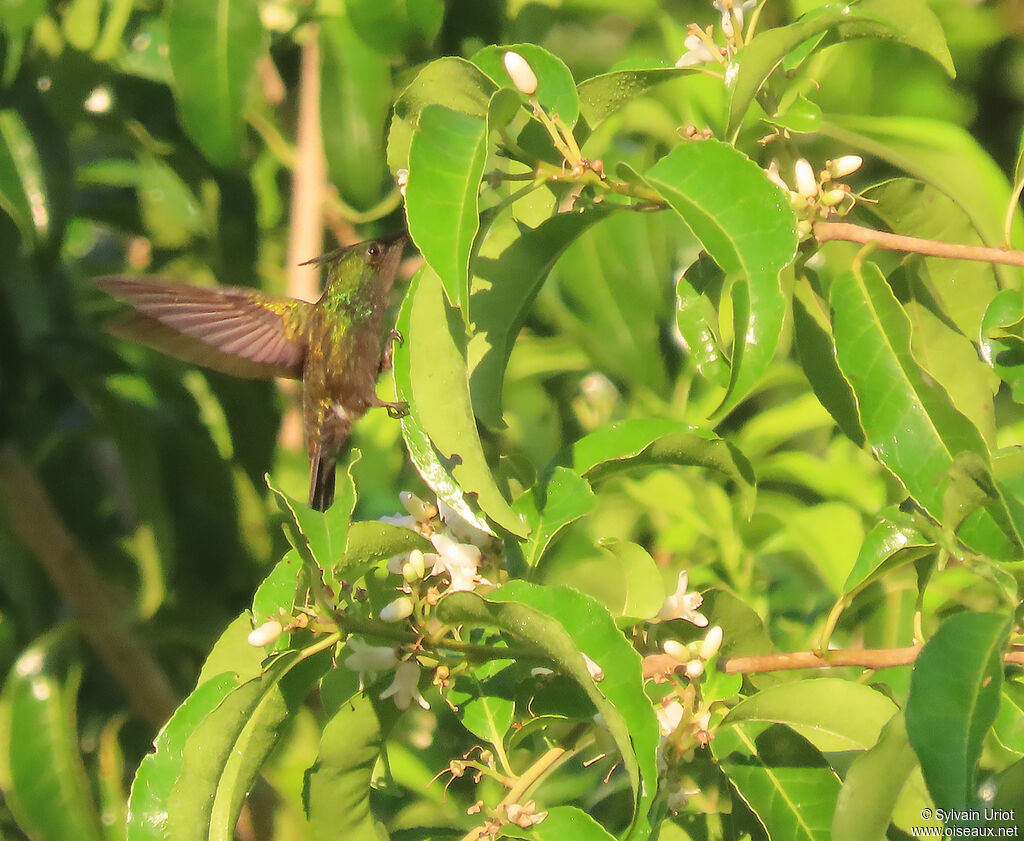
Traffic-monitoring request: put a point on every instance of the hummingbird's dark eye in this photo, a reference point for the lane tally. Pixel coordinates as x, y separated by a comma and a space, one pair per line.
373, 250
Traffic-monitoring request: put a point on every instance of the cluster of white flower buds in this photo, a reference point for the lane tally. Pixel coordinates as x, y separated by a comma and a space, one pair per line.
695, 654
700, 43
818, 195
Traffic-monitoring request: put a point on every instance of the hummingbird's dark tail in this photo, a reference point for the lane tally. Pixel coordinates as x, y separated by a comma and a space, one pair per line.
321, 481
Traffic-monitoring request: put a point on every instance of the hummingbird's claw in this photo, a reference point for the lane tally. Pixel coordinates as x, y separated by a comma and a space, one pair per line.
396, 337
397, 410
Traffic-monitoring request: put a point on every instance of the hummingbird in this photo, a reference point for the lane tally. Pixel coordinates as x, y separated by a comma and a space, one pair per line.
337, 347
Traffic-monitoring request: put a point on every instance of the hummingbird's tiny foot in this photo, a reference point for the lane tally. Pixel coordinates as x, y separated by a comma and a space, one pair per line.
397, 410
396, 337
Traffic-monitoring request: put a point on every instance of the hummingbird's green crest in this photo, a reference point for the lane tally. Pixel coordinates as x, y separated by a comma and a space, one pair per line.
337, 346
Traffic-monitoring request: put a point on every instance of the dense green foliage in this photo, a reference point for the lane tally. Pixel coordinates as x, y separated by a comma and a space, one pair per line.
662, 419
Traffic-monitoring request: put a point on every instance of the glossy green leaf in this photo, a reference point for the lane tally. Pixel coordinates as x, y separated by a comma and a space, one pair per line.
455, 83
1009, 724
872, 786
16, 20
371, 542
601, 96
224, 752
319, 536
912, 426
440, 431
1002, 345
336, 792
159, 771
961, 288
507, 287
815, 345
910, 22
782, 778
827, 536
556, 89
649, 442
355, 100
213, 49
642, 595
954, 698
833, 715
746, 224
22, 190
564, 624
41, 770
446, 162
396, 27
892, 536
484, 701
697, 321
564, 499
946, 157
563, 823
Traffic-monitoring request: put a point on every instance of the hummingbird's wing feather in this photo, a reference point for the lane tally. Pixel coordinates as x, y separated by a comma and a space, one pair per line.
236, 331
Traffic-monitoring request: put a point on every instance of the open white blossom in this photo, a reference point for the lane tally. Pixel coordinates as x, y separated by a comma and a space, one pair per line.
697, 52
724, 7
405, 687
461, 530
669, 717
461, 561
682, 605
368, 659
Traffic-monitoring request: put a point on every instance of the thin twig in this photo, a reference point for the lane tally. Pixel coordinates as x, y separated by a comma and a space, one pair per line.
867, 658
826, 231
102, 619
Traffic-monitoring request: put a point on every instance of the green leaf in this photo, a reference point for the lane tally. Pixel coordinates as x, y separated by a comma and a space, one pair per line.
564, 624
1009, 724
603, 95
649, 442
872, 786
833, 715
1002, 345
440, 431
319, 536
910, 22
159, 771
455, 83
446, 162
556, 89
827, 535
369, 543
277, 591
355, 100
783, 780
946, 157
912, 426
22, 188
213, 50
746, 224
483, 698
336, 793
563, 823
562, 501
16, 21
500, 304
954, 698
81, 23
892, 536
697, 320
642, 595
224, 752
396, 27
41, 770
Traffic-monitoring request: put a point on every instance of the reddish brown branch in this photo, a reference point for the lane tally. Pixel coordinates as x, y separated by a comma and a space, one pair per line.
866, 658
826, 231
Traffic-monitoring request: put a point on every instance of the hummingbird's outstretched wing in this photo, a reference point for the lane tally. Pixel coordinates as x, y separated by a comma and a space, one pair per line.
233, 330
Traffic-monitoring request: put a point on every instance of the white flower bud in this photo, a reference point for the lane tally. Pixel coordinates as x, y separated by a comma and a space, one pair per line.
520, 72
773, 174
694, 669
596, 672
804, 228
265, 634
676, 650
419, 509
414, 568
806, 182
397, 610
402, 179
831, 198
711, 643
846, 165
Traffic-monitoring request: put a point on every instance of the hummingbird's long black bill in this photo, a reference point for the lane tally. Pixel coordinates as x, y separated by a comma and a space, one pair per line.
321, 482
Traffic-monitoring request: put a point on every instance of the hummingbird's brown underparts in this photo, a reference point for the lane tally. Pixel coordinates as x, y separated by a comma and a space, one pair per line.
337, 346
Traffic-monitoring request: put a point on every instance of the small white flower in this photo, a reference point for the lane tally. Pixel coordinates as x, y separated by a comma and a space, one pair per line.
694, 669
461, 561
596, 672
676, 650
806, 182
846, 165
669, 717
525, 815
520, 72
402, 179
460, 529
368, 659
401, 608
711, 643
773, 174
739, 9
697, 52
405, 686
415, 567
682, 605
265, 634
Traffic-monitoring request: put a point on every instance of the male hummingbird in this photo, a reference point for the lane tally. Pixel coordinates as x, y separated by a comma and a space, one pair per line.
336, 346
